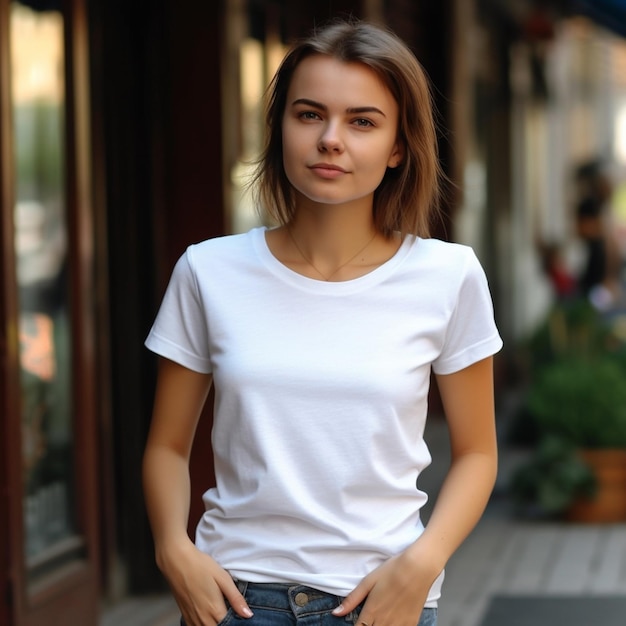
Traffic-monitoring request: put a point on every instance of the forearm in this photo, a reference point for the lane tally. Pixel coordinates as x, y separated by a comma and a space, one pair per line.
472, 474
459, 506
167, 495
201, 587
179, 398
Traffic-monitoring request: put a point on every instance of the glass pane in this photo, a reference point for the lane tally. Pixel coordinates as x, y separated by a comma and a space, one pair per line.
41, 242
257, 64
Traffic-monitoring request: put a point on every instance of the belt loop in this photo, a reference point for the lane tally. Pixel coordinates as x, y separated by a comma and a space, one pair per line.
242, 585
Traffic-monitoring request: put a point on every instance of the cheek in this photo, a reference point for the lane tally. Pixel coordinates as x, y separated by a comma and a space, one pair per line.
289, 160
293, 152
287, 154
289, 145
377, 167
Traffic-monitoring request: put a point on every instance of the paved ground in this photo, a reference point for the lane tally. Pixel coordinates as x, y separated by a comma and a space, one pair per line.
502, 556
514, 558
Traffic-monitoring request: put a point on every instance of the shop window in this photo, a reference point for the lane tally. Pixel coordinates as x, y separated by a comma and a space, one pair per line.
41, 248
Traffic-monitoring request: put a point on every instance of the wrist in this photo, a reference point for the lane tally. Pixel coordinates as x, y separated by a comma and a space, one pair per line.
426, 557
171, 550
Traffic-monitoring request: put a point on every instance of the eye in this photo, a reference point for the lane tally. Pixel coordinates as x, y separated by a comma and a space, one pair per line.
308, 115
362, 122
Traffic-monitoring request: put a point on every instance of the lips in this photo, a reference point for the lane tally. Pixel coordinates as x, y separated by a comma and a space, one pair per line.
327, 170
327, 166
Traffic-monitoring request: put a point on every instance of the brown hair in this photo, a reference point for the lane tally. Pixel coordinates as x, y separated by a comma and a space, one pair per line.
407, 197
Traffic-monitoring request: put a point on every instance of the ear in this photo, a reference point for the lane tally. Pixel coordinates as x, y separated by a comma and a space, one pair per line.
397, 154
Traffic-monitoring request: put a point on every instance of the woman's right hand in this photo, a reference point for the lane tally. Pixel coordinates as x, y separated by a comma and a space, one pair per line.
201, 587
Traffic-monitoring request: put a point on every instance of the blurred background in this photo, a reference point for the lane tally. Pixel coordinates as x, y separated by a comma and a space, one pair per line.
126, 129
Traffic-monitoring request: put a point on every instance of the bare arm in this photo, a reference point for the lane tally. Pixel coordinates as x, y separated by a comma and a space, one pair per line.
197, 582
397, 590
468, 401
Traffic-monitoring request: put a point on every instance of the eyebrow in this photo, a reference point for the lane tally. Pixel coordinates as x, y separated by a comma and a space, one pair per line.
323, 107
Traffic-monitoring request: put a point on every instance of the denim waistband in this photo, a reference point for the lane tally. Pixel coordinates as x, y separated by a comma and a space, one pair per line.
297, 599
280, 603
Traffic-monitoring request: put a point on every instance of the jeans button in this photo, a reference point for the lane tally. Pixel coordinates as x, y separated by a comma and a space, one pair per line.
301, 599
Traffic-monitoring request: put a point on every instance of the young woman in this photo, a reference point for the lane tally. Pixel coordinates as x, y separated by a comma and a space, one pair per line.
320, 335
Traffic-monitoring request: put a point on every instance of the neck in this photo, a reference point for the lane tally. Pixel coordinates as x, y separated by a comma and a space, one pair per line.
328, 234
332, 247
328, 253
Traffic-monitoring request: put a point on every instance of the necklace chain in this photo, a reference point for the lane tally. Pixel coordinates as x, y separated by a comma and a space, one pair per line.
329, 276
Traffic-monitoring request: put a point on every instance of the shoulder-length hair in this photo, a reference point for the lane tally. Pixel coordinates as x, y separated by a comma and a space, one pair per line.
407, 198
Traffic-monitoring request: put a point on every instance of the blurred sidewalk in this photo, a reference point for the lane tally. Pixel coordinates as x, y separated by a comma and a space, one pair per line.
502, 556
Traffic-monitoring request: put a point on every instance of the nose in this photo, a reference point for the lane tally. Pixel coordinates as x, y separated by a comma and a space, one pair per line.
330, 139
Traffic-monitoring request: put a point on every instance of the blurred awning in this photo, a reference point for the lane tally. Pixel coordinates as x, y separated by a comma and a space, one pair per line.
608, 13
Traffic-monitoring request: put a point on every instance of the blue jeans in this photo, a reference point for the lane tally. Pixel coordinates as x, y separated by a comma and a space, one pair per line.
275, 604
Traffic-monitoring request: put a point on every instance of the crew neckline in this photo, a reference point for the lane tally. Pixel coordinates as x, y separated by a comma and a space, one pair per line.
340, 287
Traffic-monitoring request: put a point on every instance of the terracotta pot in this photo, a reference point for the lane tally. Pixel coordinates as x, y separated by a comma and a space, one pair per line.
609, 503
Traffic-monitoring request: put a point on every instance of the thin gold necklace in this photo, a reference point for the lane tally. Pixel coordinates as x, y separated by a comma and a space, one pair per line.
329, 276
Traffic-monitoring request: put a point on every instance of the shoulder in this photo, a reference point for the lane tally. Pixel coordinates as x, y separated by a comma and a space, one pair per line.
446, 269
445, 256
214, 257
444, 248
223, 251
222, 245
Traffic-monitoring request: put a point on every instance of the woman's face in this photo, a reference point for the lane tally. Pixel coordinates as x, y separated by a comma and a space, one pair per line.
339, 131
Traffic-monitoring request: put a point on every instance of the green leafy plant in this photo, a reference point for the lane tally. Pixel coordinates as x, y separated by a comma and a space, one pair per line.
576, 400
550, 481
582, 401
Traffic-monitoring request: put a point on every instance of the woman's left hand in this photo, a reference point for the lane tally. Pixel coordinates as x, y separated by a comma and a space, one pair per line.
394, 593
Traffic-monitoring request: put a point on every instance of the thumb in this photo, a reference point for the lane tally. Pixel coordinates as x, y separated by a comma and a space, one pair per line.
353, 599
235, 599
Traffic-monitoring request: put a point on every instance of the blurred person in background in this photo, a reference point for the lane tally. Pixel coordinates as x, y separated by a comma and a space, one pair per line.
601, 278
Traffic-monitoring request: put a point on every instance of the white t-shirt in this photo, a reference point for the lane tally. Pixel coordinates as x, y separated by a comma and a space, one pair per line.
320, 399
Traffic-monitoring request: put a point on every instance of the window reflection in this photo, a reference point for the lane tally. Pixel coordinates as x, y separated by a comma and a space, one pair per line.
258, 63
37, 82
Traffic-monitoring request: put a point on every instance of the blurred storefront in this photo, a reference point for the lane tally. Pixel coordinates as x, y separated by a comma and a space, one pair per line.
125, 128
48, 444
568, 98
541, 87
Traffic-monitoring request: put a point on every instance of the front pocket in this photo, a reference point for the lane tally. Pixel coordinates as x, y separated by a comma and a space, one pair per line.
227, 618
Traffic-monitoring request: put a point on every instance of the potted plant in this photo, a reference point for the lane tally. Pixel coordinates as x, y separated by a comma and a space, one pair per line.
581, 403
553, 478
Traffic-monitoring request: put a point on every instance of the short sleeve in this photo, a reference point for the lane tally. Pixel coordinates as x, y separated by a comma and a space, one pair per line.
180, 330
471, 334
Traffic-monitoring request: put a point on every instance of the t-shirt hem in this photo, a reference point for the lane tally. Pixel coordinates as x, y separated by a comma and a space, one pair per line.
469, 356
165, 348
